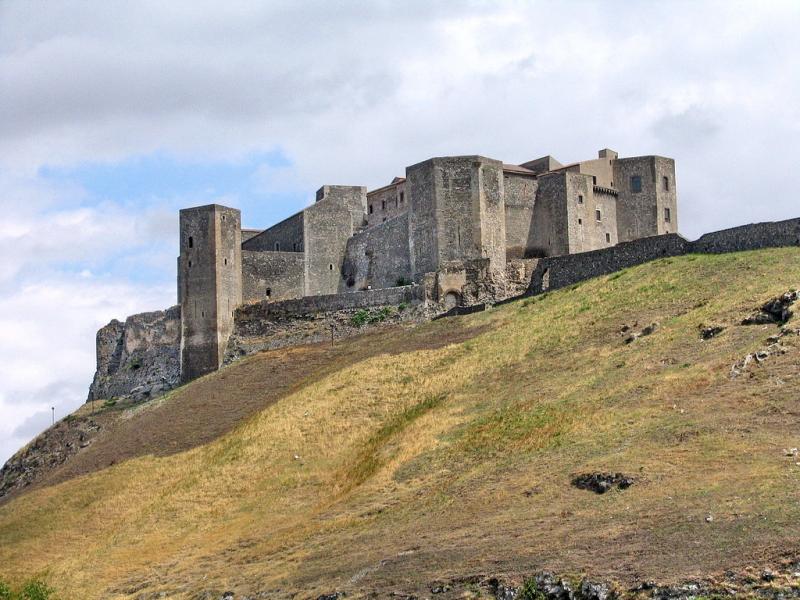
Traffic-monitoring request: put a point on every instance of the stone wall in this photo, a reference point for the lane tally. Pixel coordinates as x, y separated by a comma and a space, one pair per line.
272, 275
267, 326
750, 237
139, 358
591, 214
642, 214
286, 236
378, 257
520, 199
550, 226
561, 271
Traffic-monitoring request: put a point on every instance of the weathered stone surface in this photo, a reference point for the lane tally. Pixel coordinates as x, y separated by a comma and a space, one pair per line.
139, 359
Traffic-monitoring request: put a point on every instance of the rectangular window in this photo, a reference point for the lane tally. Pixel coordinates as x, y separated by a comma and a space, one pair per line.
277, 246
580, 199
665, 180
370, 209
402, 196
667, 215
594, 180
598, 216
608, 238
580, 221
383, 204
636, 184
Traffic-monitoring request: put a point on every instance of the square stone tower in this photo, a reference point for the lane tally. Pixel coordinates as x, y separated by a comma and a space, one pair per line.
209, 285
647, 204
457, 212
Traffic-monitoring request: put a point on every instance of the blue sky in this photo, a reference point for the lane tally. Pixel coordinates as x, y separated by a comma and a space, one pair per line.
114, 115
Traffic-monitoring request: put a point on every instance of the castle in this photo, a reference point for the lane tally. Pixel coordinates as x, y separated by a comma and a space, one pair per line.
459, 227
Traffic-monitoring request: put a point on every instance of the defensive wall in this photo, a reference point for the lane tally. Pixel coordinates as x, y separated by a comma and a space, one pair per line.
270, 325
561, 271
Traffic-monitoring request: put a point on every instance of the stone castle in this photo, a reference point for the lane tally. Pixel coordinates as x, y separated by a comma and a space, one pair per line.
458, 230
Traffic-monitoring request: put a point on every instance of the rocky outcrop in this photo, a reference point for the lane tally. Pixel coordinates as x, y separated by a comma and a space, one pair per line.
46, 452
138, 359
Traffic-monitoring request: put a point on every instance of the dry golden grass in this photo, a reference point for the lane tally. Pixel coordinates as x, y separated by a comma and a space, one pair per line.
400, 468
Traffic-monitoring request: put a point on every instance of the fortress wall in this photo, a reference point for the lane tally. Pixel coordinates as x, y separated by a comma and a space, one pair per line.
267, 326
520, 198
750, 237
288, 234
272, 275
139, 358
377, 257
585, 232
561, 271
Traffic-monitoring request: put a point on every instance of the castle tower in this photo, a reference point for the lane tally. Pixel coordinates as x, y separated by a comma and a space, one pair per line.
647, 204
209, 285
457, 212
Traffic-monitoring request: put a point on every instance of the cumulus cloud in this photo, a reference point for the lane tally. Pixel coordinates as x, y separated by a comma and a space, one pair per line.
351, 92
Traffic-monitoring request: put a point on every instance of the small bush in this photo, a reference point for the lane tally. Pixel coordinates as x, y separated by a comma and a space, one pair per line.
110, 403
5, 591
401, 281
360, 318
402, 306
380, 315
529, 591
34, 589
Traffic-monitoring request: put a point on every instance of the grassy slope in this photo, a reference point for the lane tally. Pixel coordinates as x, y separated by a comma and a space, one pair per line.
455, 461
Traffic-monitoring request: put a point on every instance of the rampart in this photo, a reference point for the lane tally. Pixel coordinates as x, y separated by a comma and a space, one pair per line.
270, 325
561, 271
377, 257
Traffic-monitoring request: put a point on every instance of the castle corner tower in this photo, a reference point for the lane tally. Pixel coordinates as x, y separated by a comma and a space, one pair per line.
209, 285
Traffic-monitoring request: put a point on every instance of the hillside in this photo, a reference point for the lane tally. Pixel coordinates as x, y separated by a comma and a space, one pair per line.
445, 452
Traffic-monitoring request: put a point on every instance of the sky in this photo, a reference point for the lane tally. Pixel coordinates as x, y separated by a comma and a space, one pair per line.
115, 114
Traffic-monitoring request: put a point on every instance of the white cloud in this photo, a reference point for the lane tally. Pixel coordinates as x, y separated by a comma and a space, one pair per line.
353, 92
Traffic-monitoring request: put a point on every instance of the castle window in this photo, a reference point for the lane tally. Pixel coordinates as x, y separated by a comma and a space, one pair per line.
370, 209
665, 181
667, 214
277, 246
395, 202
598, 216
402, 196
580, 199
636, 184
594, 180
608, 238
268, 292
580, 221
383, 204
225, 261
191, 242
190, 264
330, 267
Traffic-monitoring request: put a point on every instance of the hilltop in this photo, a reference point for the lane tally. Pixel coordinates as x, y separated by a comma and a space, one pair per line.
442, 455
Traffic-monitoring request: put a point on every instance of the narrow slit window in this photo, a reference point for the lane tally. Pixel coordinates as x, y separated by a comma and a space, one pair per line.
667, 214
269, 292
598, 216
594, 180
608, 238
665, 181
580, 199
371, 209
580, 221
383, 204
330, 267
402, 196
225, 261
191, 242
277, 246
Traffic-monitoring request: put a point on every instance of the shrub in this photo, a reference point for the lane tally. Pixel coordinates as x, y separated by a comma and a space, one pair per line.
530, 591
111, 402
5, 591
36, 590
380, 315
360, 318
401, 281
402, 306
